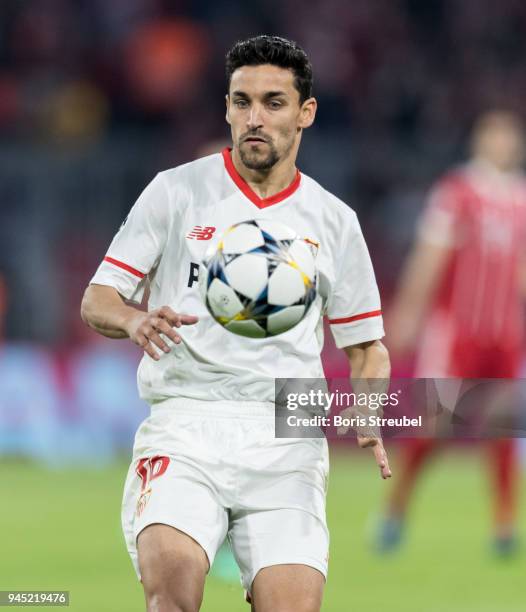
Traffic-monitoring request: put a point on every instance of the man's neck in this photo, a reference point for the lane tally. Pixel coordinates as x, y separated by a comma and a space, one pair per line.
488, 167
266, 183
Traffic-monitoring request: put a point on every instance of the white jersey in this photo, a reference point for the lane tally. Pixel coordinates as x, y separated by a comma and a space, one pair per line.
163, 240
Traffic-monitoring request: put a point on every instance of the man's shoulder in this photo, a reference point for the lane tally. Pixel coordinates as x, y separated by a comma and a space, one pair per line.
454, 185
194, 173
329, 203
457, 176
194, 183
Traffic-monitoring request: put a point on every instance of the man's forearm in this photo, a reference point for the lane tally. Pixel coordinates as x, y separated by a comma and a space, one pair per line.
370, 372
370, 360
370, 368
104, 310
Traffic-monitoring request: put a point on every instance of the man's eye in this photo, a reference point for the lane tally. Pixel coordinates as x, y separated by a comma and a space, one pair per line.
241, 103
274, 104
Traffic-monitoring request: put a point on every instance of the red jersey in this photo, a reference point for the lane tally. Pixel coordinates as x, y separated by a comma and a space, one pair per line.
477, 312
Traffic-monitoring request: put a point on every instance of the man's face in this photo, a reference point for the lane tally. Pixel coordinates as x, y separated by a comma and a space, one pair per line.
265, 115
500, 140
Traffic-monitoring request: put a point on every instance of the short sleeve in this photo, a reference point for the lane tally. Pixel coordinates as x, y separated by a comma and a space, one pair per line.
439, 222
353, 308
138, 245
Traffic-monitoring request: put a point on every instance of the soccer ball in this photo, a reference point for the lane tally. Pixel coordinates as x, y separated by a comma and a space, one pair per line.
260, 279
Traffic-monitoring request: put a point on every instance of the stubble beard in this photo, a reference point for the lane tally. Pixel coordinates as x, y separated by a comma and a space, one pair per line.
256, 161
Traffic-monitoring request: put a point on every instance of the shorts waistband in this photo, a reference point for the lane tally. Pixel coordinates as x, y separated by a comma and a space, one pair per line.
214, 408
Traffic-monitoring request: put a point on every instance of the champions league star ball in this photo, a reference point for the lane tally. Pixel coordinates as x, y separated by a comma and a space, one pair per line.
259, 280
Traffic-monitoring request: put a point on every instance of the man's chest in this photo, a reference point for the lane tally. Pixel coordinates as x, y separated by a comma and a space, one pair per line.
203, 225
495, 226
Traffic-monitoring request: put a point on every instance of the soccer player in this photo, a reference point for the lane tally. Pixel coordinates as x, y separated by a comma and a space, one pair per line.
206, 463
462, 297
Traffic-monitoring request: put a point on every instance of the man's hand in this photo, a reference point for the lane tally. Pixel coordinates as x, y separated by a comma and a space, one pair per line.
106, 311
370, 368
379, 454
366, 440
145, 329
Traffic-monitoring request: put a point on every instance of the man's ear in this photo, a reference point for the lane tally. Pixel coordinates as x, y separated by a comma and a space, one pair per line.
307, 113
227, 100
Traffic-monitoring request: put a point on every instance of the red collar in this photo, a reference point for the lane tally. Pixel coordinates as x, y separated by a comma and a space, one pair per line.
249, 192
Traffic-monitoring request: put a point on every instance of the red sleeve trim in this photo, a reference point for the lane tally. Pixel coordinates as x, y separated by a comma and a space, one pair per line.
363, 315
124, 266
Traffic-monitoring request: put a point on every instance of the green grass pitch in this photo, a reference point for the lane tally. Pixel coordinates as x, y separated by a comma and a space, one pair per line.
61, 530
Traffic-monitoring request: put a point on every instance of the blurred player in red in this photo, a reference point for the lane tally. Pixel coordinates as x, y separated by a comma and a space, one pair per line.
460, 301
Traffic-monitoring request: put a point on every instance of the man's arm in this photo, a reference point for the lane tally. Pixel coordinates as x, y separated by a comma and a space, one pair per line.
370, 360
522, 276
105, 311
420, 278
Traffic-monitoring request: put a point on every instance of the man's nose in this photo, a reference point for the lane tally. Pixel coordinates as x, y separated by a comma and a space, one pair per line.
254, 119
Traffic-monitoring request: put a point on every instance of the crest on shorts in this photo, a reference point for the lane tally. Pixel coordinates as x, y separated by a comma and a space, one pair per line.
142, 501
148, 469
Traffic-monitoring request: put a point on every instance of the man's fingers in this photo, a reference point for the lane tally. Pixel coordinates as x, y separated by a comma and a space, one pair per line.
147, 347
368, 441
167, 313
176, 319
156, 330
365, 442
152, 328
188, 319
159, 342
162, 326
381, 459
379, 454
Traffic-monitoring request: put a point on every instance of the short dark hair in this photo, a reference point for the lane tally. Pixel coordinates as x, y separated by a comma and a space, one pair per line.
276, 51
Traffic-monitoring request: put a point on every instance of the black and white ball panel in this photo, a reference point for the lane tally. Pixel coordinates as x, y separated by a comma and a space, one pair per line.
260, 280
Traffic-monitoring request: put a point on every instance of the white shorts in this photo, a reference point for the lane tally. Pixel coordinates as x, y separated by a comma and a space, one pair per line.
214, 470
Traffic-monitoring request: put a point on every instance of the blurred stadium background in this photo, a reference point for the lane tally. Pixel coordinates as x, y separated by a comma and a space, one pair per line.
95, 98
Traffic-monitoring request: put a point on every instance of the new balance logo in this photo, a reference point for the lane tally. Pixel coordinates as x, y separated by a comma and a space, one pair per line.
201, 233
